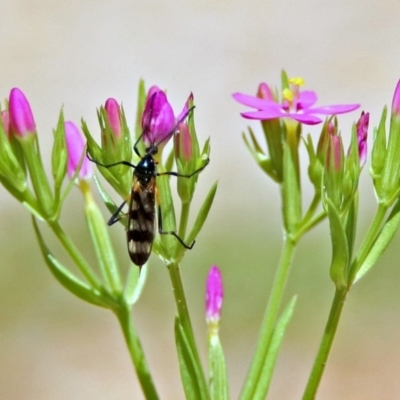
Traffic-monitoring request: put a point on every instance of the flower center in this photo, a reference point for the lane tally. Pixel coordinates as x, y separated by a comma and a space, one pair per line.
290, 95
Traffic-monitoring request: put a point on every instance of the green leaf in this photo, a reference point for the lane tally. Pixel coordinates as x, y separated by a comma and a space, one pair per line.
382, 241
103, 247
218, 375
203, 213
67, 278
135, 282
267, 371
340, 249
190, 372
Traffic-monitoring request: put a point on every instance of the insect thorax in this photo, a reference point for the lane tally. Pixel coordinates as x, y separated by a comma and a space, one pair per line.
146, 169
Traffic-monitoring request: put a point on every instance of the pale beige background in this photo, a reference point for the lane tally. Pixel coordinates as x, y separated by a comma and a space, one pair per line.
76, 54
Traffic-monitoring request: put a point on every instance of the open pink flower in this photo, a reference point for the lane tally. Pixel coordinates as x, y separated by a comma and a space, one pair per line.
296, 104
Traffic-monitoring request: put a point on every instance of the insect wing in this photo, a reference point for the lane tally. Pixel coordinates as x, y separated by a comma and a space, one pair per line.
141, 221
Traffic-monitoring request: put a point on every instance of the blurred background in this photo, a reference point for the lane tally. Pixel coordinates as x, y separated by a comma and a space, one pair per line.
77, 54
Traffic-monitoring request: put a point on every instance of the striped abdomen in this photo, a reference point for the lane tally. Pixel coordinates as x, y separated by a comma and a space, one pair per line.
140, 230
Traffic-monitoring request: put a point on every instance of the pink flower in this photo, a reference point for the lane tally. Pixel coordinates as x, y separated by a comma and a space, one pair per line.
214, 295
113, 112
158, 120
296, 104
362, 135
21, 117
396, 100
75, 148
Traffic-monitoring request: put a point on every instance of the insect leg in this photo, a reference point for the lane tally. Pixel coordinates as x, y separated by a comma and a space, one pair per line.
116, 216
173, 233
177, 174
127, 163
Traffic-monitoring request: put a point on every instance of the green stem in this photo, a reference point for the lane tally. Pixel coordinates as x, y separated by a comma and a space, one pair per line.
184, 220
136, 352
183, 313
270, 318
74, 253
326, 344
367, 242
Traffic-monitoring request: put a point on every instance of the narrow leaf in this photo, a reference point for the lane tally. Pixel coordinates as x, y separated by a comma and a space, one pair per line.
66, 277
135, 282
190, 373
267, 371
218, 375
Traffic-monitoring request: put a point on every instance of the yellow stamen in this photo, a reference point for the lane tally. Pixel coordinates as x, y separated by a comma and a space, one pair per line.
288, 95
298, 81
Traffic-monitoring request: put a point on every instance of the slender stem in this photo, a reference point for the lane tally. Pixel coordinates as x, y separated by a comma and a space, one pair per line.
136, 352
184, 220
270, 318
74, 253
326, 344
183, 312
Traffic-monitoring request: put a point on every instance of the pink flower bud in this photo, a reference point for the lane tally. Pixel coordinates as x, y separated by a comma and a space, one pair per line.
214, 295
21, 117
158, 121
396, 100
75, 148
114, 116
362, 134
265, 92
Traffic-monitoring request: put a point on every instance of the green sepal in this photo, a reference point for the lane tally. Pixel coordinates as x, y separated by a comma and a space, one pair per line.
103, 247
381, 242
66, 278
118, 176
217, 369
273, 135
290, 190
203, 213
107, 200
264, 381
340, 248
259, 156
284, 80
164, 245
141, 102
378, 152
191, 375
12, 164
315, 168
59, 158
135, 282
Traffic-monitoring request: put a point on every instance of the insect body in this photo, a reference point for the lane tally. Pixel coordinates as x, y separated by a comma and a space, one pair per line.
140, 229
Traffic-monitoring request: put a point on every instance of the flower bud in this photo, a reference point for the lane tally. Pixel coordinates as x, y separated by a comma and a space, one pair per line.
21, 117
396, 100
362, 135
76, 149
113, 113
214, 295
158, 120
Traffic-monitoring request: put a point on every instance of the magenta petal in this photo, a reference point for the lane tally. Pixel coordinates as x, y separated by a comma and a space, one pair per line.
307, 119
214, 294
264, 114
307, 98
334, 109
252, 101
75, 148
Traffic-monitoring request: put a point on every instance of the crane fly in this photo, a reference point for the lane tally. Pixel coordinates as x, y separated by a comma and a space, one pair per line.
144, 198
